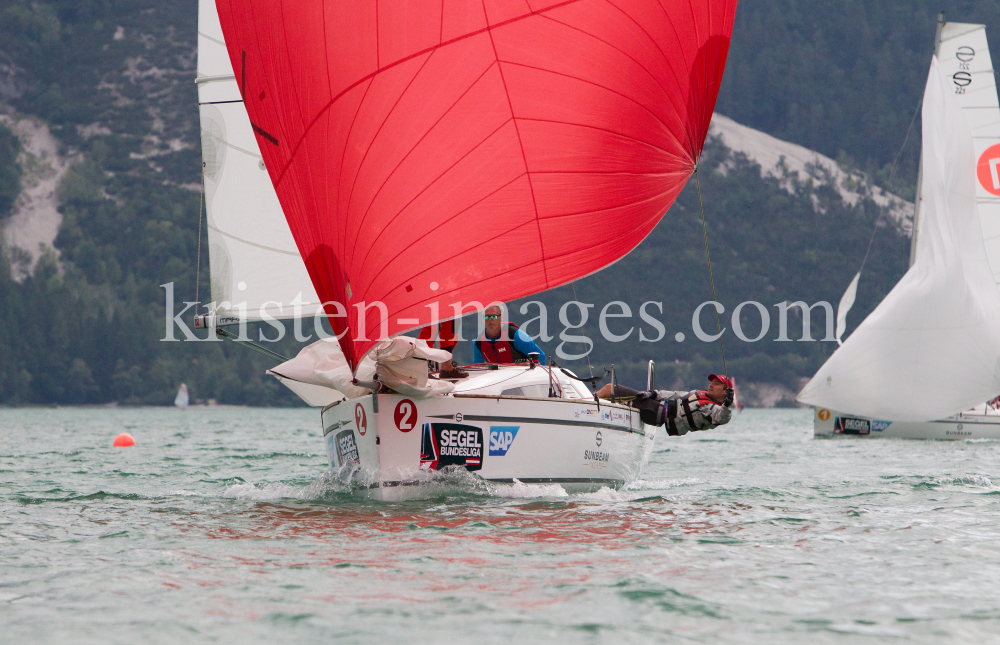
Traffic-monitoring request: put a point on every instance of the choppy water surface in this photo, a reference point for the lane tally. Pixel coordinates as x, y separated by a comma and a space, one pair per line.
221, 525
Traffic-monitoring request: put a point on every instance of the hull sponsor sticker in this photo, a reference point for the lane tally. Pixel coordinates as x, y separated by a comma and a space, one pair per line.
596, 458
621, 417
852, 425
501, 437
331, 451
347, 448
451, 444
880, 426
958, 432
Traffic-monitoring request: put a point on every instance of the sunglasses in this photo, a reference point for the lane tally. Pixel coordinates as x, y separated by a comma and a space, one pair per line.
492, 317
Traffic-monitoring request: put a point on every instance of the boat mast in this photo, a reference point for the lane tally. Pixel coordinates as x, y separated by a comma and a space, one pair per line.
920, 167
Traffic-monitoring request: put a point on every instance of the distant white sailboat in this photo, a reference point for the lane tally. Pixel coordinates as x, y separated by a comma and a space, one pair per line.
181, 400
930, 352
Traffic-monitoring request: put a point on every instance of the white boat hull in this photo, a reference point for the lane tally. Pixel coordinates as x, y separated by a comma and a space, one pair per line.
395, 444
975, 424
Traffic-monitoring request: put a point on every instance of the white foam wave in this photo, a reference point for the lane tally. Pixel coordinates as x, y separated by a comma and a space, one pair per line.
187, 493
606, 494
662, 484
263, 492
326, 483
969, 480
526, 491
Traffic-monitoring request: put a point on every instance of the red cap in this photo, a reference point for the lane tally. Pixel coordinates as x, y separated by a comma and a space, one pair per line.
725, 380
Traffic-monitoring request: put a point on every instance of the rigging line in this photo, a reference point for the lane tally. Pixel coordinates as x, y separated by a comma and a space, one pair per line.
201, 205
589, 366
889, 183
711, 279
249, 344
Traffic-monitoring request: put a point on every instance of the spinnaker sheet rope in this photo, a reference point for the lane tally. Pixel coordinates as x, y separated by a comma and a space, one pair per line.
711, 278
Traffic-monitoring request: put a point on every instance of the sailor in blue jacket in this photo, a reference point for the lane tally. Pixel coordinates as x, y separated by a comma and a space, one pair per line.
503, 343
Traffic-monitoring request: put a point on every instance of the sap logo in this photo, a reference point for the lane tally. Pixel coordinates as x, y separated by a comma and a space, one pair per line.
501, 437
880, 426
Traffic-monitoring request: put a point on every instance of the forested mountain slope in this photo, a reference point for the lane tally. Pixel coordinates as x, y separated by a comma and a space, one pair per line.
113, 80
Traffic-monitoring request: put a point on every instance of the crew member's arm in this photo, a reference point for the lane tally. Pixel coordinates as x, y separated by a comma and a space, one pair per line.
524, 344
477, 356
719, 414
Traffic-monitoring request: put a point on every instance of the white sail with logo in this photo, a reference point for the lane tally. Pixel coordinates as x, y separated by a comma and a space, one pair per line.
964, 58
253, 259
932, 347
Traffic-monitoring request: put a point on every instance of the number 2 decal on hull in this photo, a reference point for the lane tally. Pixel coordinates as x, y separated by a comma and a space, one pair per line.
405, 415
361, 419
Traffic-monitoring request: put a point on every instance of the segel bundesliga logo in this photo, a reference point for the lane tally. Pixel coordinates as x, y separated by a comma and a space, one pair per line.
500, 439
451, 444
347, 449
851, 425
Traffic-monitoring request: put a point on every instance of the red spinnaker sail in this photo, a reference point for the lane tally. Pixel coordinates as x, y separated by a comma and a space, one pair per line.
431, 152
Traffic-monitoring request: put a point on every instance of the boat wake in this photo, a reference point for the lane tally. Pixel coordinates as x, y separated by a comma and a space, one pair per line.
447, 483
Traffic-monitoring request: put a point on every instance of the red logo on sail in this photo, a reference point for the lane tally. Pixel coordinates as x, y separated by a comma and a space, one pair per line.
988, 170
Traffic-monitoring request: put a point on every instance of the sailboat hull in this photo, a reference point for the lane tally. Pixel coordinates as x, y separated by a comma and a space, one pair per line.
401, 447
975, 424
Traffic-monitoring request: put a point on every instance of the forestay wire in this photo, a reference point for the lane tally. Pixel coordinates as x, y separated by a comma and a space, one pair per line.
888, 183
589, 366
201, 207
711, 279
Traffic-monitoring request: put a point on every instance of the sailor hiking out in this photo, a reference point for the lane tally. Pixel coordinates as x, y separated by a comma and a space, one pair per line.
680, 412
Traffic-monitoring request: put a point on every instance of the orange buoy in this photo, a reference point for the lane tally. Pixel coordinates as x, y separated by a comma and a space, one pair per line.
124, 440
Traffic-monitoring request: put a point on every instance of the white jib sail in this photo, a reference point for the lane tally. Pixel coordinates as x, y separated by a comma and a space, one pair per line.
932, 347
964, 57
846, 302
253, 258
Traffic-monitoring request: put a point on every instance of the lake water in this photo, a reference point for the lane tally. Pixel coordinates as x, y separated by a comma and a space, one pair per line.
222, 525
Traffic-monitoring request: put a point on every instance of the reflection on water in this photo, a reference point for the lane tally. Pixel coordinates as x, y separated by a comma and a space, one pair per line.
223, 524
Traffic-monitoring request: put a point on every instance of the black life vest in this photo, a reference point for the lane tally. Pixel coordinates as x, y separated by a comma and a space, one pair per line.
501, 351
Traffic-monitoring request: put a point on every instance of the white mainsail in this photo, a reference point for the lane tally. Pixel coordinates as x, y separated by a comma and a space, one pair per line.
964, 59
252, 256
932, 346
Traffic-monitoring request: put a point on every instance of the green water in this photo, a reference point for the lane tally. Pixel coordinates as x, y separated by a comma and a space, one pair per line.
222, 525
